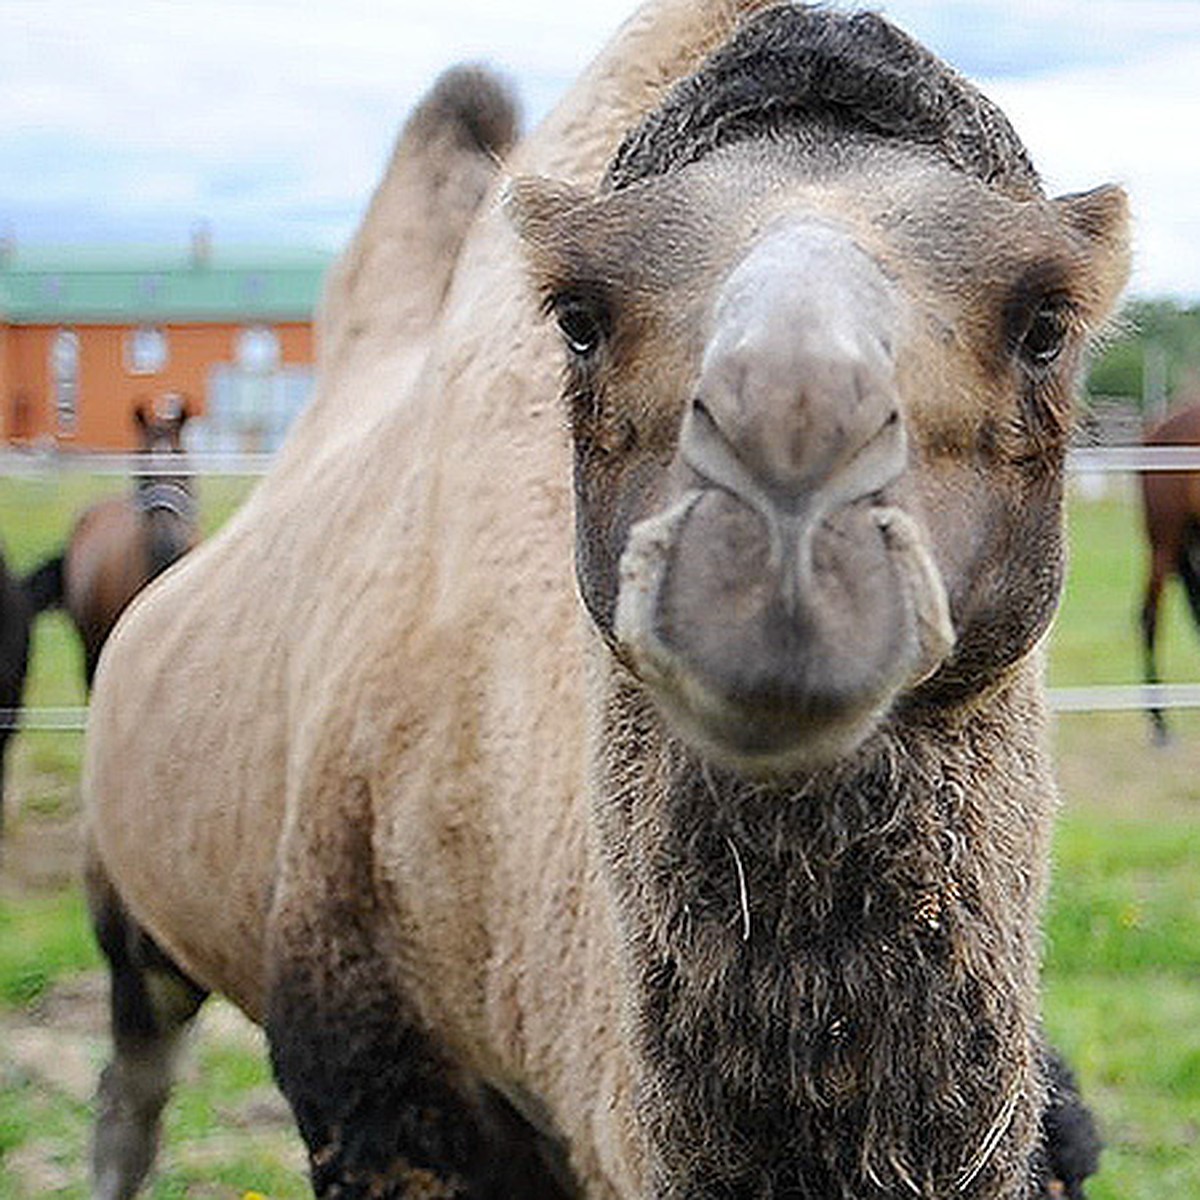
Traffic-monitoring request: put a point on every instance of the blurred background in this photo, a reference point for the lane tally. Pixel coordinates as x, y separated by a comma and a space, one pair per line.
269, 120
176, 179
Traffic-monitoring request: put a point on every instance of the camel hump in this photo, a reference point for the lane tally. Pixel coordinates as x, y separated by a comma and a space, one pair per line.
391, 280
469, 105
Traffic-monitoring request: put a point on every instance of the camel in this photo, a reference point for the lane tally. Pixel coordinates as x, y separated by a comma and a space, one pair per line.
612, 762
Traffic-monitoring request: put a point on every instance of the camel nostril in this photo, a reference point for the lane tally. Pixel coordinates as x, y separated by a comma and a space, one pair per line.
702, 412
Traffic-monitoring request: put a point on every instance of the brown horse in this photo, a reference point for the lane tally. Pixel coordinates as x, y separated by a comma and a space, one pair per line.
1171, 507
16, 614
120, 544
20, 602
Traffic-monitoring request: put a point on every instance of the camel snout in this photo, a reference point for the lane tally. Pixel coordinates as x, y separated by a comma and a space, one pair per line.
850, 462
782, 601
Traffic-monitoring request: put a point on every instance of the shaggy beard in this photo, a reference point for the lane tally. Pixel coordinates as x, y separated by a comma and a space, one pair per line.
835, 976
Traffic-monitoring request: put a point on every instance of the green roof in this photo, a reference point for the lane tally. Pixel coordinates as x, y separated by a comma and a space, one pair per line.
97, 286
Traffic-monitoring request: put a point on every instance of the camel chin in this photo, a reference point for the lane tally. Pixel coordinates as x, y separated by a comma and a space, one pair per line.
746, 657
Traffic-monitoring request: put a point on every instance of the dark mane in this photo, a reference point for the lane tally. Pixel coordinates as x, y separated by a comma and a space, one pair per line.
796, 64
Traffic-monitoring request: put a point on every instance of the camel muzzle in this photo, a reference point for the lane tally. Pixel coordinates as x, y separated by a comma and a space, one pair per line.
784, 597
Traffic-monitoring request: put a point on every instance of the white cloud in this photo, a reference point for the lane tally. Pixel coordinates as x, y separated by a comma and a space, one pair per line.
1027, 37
277, 115
1132, 124
218, 90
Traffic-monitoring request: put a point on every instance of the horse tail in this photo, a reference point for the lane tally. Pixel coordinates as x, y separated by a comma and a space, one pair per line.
44, 585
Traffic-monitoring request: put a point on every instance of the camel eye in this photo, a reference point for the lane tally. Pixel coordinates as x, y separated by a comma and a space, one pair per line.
579, 323
1047, 331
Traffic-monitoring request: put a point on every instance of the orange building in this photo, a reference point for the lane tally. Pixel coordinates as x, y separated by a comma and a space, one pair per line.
87, 335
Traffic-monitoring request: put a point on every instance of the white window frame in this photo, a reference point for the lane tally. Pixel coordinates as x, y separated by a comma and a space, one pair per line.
147, 350
258, 349
65, 352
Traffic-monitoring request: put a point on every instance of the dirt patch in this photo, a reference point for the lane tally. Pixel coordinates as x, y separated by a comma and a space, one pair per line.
40, 854
54, 1052
1107, 763
49, 1059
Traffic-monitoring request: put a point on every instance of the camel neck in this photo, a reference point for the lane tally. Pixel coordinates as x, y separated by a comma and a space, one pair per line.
820, 960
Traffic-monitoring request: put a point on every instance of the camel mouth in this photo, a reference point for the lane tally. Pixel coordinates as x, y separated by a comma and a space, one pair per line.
767, 663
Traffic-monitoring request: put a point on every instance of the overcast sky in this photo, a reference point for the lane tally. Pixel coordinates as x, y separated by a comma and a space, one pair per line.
271, 119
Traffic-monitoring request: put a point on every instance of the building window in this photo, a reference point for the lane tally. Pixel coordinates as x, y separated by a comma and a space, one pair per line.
258, 349
146, 350
64, 371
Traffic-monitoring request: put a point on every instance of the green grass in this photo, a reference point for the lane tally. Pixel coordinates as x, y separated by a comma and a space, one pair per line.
1122, 979
42, 938
1122, 993
1096, 638
214, 1144
1128, 897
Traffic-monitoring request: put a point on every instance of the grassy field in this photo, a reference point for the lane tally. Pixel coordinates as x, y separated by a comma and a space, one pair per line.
1123, 935
1123, 931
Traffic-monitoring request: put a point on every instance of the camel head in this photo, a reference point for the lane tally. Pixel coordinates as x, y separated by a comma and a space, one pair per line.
822, 335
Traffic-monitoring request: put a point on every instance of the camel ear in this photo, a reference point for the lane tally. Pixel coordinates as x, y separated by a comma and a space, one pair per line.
549, 218
539, 208
1101, 216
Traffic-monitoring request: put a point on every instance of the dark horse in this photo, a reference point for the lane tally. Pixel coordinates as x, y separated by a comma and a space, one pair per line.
1171, 505
20, 601
119, 544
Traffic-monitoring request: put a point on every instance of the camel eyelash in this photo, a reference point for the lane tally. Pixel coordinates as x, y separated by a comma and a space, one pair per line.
1040, 318
1046, 334
583, 318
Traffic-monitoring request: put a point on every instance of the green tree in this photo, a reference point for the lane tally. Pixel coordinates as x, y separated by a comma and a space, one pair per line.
1156, 337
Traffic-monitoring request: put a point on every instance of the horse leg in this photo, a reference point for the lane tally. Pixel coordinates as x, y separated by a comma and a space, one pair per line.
12, 703
151, 1002
3, 755
1159, 570
383, 1108
1188, 567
